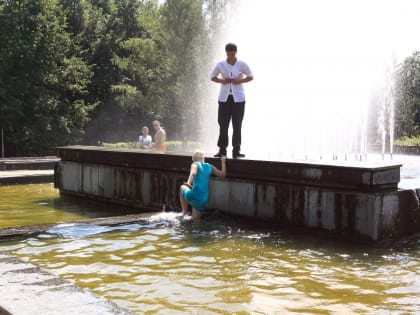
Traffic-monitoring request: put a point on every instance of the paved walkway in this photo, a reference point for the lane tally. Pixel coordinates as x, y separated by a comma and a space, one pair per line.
26, 177
27, 170
34, 163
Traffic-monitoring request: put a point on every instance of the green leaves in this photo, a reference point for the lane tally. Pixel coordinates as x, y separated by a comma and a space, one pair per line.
408, 97
40, 102
70, 69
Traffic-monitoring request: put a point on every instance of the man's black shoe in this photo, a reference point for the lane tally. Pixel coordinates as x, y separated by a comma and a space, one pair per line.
220, 154
237, 155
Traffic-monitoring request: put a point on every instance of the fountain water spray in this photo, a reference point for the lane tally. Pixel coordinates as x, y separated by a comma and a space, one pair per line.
386, 111
316, 65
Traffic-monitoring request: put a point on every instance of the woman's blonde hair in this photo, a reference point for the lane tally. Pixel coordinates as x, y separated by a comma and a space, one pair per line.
198, 155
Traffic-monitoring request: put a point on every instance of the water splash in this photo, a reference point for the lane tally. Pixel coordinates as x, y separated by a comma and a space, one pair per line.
80, 230
73, 230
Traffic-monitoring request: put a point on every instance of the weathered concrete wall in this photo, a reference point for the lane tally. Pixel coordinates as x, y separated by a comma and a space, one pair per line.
368, 206
349, 213
145, 189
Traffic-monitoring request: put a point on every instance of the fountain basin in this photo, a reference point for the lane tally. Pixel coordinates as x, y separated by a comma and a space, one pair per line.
357, 200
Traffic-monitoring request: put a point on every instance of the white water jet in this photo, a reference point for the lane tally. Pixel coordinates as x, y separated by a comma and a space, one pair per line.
386, 111
317, 66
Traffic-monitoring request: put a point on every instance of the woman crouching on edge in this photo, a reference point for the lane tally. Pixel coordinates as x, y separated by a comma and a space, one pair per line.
196, 190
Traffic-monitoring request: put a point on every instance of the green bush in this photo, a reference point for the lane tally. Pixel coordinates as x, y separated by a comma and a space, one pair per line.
171, 146
408, 141
122, 145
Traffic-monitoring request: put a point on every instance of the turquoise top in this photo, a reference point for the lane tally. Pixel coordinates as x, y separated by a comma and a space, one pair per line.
198, 196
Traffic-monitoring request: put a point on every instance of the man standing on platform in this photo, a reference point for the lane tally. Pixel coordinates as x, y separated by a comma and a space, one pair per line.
231, 74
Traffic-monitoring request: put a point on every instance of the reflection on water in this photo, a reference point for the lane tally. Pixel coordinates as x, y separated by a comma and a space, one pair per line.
166, 265
41, 204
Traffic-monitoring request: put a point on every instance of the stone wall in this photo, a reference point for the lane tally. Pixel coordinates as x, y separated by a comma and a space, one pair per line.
367, 205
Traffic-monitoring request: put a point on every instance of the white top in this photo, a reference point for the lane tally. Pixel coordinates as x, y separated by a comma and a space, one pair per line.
238, 71
145, 140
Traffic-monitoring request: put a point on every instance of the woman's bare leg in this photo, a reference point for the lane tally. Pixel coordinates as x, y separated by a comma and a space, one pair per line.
184, 204
196, 215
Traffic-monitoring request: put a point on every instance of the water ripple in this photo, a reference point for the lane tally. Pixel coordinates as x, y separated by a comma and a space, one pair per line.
215, 267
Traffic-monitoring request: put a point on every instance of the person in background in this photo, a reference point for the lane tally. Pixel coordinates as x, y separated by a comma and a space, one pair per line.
160, 137
195, 191
231, 74
145, 139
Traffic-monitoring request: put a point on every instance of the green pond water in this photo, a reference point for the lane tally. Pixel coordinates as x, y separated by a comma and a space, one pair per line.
222, 265
41, 204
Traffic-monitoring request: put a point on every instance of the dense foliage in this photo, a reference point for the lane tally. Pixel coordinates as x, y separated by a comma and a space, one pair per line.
407, 118
82, 71
43, 83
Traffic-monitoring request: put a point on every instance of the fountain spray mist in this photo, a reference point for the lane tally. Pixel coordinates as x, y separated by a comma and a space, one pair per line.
317, 66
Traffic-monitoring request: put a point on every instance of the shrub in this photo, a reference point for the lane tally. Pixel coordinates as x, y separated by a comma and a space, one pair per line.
171, 146
408, 141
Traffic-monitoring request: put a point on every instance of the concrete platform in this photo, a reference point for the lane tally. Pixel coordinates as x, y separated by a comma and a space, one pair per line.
27, 290
27, 170
28, 163
28, 230
350, 199
26, 177
368, 176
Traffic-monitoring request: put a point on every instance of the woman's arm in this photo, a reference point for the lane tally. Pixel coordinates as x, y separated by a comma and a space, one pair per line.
222, 172
193, 173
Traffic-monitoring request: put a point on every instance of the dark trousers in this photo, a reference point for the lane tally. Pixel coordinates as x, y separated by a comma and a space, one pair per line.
230, 110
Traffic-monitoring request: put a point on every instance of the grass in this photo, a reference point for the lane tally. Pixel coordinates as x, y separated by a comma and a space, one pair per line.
413, 141
173, 146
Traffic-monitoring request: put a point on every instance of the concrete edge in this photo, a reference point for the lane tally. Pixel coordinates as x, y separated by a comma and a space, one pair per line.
38, 228
27, 289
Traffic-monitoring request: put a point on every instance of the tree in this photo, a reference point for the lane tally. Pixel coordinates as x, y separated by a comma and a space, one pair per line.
407, 118
73, 10
42, 84
137, 56
101, 66
184, 28
144, 67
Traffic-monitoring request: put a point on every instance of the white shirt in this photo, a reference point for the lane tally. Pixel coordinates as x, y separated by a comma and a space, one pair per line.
145, 140
236, 71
